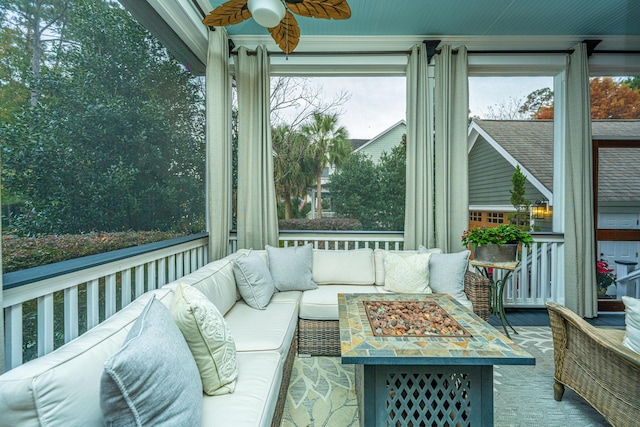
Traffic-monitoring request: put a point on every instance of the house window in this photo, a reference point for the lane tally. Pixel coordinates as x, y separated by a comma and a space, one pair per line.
495, 217
475, 216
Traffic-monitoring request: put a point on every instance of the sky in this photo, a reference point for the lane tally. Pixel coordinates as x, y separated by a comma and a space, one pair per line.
377, 103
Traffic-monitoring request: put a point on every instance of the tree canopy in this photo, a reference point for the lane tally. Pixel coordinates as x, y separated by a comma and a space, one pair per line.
113, 138
610, 99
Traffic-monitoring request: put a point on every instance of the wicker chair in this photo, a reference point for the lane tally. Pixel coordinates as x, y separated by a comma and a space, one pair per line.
322, 337
594, 363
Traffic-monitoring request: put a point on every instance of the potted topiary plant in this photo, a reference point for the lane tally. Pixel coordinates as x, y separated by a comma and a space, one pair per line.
496, 244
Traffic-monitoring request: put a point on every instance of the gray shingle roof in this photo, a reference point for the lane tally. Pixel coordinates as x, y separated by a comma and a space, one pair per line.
530, 142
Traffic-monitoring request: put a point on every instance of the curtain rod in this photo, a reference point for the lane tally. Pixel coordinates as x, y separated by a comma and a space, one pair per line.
407, 52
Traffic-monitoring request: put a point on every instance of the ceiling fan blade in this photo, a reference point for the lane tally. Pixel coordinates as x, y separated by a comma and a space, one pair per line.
327, 9
287, 33
229, 13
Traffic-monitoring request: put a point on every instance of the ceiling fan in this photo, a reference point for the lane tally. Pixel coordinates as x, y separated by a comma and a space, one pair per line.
277, 16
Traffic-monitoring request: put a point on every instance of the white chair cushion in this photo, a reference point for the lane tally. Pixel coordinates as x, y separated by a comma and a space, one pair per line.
355, 267
253, 402
270, 329
322, 303
632, 321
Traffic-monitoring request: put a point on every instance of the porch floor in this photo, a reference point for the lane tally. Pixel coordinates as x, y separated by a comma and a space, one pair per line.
322, 389
540, 317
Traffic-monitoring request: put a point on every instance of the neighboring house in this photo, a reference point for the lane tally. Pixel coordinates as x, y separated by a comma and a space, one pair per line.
384, 142
497, 146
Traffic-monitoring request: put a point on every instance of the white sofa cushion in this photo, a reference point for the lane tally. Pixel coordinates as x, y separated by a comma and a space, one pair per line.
208, 337
50, 391
407, 274
254, 401
270, 329
632, 321
379, 255
152, 379
216, 281
355, 267
322, 303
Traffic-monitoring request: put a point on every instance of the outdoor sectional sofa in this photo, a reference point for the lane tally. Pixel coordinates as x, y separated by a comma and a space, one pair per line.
63, 387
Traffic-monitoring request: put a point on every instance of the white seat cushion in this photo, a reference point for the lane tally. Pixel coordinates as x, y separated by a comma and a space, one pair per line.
50, 391
253, 402
322, 303
269, 329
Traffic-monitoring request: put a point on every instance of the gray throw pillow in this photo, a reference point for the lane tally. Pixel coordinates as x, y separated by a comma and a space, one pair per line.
153, 379
446, 273
291, 268
253, 280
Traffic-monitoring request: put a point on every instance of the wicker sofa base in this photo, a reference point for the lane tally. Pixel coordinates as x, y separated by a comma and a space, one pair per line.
286, 379
322, 337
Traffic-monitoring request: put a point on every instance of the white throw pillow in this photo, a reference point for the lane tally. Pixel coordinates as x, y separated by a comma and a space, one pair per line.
208, 337
407, 274
253, 280
632, 320
291, 268
379, 255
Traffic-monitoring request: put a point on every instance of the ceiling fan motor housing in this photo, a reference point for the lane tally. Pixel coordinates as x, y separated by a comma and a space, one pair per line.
267, 13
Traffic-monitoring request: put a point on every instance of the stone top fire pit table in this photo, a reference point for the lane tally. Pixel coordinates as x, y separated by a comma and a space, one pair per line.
429, 362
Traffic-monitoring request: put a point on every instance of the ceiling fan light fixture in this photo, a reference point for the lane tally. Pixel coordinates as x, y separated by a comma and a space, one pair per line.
267, 13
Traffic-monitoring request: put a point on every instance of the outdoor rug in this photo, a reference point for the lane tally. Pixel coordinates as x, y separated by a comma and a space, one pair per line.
322, 391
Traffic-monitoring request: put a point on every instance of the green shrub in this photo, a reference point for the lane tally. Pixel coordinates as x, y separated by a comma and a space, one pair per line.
320, 224
20, 253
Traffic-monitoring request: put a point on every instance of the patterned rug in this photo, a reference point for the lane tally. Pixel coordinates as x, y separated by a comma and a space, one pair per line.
322, 391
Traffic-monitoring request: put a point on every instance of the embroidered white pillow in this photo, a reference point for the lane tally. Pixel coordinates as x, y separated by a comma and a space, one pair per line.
208, 337
407, 274
632, 320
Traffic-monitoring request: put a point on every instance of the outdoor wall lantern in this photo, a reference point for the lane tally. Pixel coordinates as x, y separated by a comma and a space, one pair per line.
267, 13
540, 209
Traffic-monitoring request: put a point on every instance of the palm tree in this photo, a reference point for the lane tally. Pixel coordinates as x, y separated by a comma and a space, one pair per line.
329, 146
290, 165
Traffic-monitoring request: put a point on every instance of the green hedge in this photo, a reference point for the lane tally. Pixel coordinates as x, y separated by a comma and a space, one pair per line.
320, 224
20, 253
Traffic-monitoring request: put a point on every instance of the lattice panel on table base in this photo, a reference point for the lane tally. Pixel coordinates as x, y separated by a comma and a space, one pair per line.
428, 399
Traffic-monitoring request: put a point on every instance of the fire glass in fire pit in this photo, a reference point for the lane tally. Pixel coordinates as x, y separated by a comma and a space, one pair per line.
411, 318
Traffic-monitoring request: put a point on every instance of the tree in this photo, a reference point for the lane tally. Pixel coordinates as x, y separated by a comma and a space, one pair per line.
536, 100
372, 193
522, 205
610, 99
293, 171
116, 139
328, 145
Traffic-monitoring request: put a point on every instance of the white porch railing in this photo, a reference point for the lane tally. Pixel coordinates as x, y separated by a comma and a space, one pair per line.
540, 278
89, 290
86, 291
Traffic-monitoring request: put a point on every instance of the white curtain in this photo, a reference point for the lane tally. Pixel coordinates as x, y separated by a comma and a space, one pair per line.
218, 150
418, 214
257, 216
579, 236
451, 159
